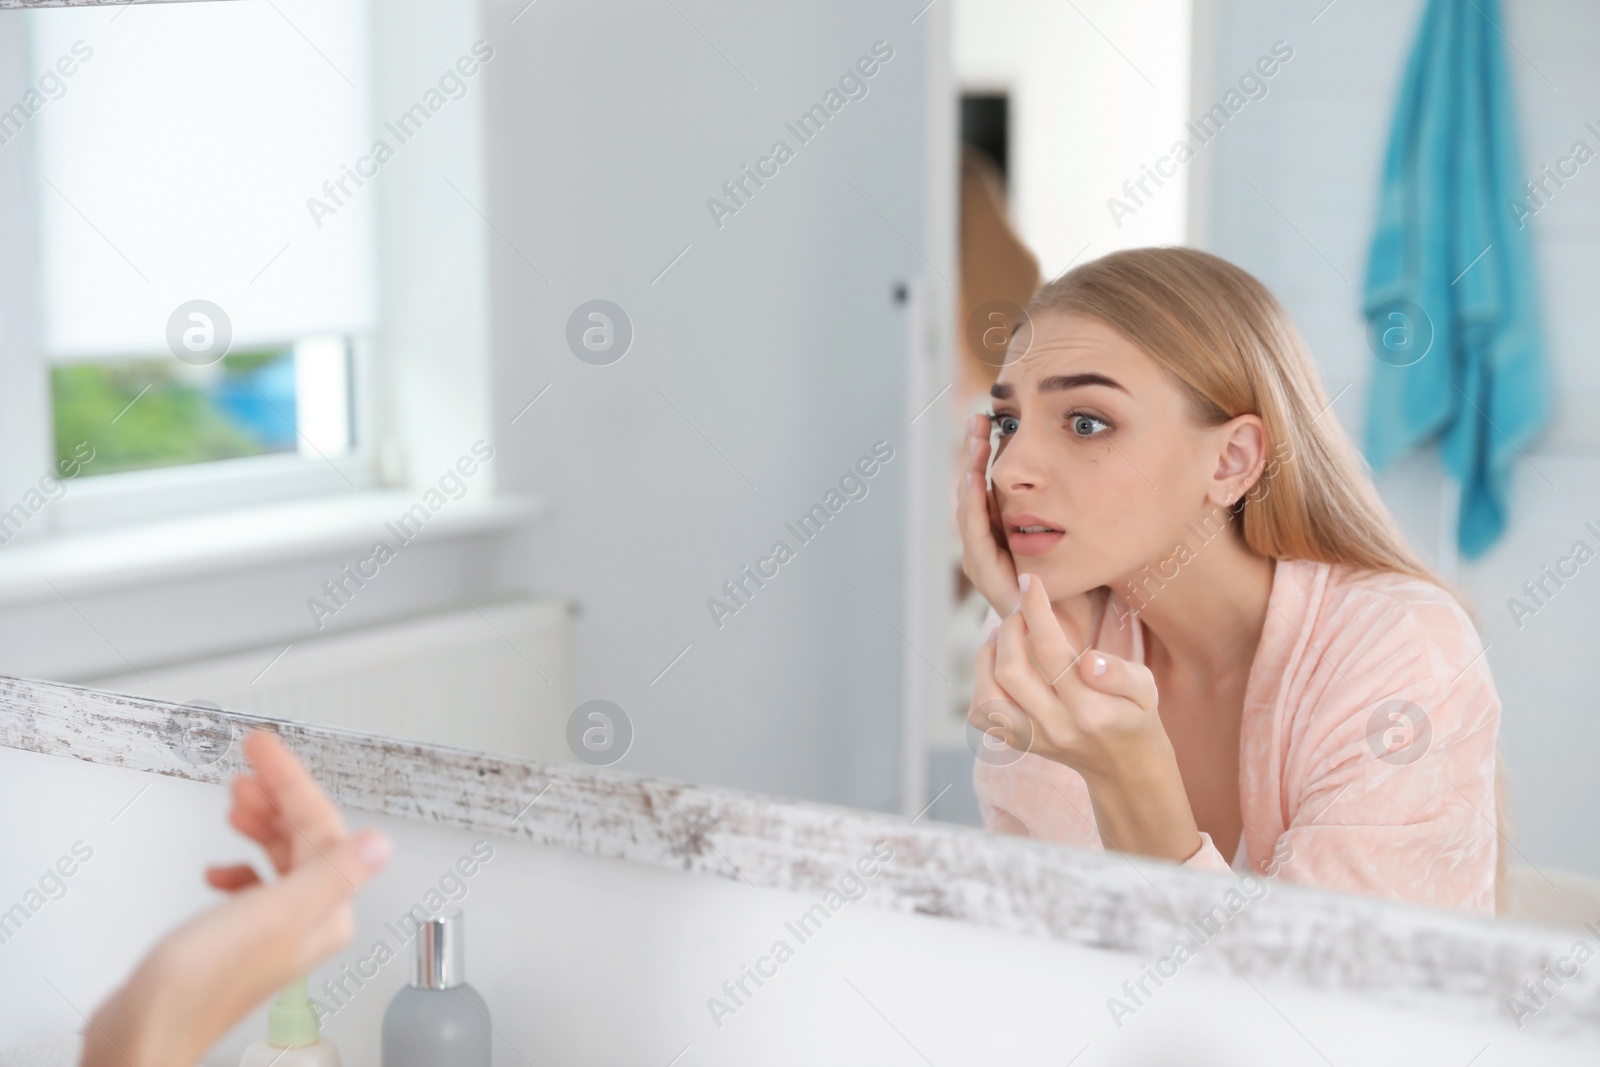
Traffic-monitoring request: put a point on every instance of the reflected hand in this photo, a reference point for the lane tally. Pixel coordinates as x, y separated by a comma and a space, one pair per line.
985, 558
1040, 688
1038, 662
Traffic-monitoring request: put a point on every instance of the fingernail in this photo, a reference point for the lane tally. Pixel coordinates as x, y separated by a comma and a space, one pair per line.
374, 850
972, 446
1024, 582
1099, 665
993, 636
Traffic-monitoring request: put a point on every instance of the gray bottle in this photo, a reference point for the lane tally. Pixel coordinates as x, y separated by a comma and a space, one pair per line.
438, 1020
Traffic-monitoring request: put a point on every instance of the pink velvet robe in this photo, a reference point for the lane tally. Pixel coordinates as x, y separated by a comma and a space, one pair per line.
1366, 750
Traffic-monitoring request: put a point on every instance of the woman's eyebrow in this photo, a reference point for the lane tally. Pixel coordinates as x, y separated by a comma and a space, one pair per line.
1057, 383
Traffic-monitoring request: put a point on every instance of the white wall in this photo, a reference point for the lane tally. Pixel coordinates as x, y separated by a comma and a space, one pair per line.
585, 960
1313, 149
765, 362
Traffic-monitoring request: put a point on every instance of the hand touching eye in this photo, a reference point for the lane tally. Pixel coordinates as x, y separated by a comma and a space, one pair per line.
985, 557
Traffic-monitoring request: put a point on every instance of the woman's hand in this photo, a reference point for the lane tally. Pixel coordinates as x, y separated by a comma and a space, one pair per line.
281, 808
985, 557
206, 975
1041, 688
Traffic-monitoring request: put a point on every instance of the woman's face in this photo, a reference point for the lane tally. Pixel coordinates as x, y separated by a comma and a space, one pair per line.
1100, 445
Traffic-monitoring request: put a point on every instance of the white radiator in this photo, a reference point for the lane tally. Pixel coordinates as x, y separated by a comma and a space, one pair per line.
499, 681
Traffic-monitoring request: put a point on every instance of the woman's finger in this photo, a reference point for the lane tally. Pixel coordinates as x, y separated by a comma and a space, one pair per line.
971, 521
993, 713
253, 816
982, 551
984, 556
289, 788
967, 504
997, 530
1018, 674
250, 803
252, 813
1118, 677
977, 428
1054, 649
234, 878
334, 876
257, 827
984, 687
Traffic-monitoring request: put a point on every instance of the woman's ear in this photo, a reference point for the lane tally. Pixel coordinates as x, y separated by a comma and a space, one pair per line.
1241, 457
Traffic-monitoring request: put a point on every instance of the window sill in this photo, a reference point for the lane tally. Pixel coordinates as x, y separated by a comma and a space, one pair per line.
150, 553
194, 490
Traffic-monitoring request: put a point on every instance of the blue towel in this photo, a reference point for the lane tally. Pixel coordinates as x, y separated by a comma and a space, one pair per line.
1451, 301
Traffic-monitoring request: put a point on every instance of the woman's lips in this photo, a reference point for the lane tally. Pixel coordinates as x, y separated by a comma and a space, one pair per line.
1034, 542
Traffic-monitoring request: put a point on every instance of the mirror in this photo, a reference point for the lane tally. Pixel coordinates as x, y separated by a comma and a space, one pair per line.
588, 383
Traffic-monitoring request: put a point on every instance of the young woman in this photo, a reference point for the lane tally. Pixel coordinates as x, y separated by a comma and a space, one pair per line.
1215, 647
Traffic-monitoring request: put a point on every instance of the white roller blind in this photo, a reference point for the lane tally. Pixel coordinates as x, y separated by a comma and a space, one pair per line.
177, 163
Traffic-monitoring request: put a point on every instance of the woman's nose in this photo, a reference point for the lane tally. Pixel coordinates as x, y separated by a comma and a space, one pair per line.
1017, 465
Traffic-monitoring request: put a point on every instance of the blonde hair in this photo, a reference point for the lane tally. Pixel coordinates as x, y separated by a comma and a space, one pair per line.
1228, 342
1225, 339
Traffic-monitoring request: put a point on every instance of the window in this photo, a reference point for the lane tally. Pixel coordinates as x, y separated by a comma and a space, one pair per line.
145, 413
193, 310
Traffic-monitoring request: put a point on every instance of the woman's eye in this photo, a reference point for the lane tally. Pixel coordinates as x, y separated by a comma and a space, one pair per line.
1087, 425
1006, 424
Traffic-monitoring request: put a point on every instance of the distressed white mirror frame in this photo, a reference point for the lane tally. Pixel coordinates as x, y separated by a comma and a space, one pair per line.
1401, 956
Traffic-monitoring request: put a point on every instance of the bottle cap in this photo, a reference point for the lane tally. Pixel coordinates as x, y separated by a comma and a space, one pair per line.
291, 1021
440, 958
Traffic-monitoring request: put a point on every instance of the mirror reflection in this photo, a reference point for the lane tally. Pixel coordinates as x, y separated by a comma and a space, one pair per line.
1161, 427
